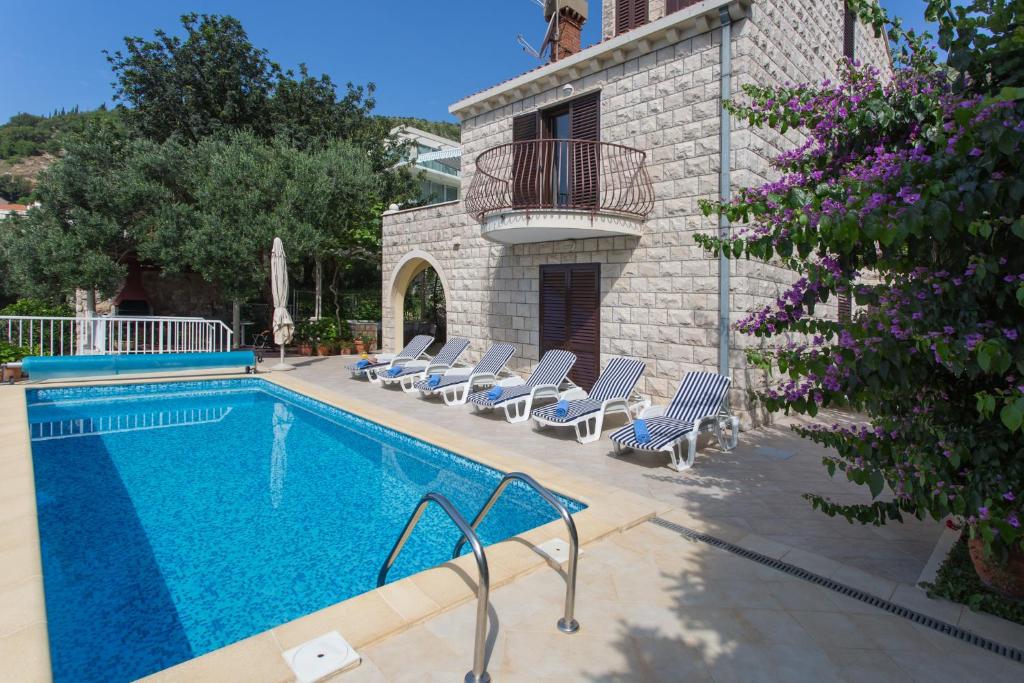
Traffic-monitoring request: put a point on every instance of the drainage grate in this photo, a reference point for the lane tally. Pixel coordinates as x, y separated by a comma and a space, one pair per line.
849, 591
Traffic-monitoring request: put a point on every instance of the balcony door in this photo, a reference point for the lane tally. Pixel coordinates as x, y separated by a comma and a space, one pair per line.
570, 316
561, 165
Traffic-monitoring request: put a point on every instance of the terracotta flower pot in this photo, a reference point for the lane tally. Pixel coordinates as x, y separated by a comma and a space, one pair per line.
360, 347
305, 349
1006, 579
324, 349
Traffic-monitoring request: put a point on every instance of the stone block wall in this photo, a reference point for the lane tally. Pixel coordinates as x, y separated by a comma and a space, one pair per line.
659, 292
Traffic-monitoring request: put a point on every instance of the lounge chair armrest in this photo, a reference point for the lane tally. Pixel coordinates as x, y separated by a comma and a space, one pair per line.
458, 372
574, 394
430, 367
384, 357
417, 364
652, 411
511, 382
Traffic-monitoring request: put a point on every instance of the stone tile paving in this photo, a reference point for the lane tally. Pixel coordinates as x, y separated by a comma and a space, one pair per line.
757, 487
656, 607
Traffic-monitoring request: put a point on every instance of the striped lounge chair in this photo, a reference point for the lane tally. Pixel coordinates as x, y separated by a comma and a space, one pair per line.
517, 397
699, 405
408, 374
457, 383
612, 393
412, 351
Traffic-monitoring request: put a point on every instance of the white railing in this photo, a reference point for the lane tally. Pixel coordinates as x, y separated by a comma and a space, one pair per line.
56, 336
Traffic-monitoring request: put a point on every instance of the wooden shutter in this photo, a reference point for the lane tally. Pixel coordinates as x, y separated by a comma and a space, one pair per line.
554, 288
845, 308
849, 32
585, 124
525, 164
629, 14
570, 316
676, 5
585, 323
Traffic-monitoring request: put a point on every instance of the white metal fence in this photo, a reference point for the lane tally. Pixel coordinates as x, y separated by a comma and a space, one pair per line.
57, 336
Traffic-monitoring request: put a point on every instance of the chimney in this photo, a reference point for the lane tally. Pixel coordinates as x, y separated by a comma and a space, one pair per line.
572, 14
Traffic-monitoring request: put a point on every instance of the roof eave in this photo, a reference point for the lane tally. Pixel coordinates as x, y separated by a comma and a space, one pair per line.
670, 29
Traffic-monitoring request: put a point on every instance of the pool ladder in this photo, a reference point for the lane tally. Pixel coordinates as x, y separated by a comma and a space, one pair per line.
566, 624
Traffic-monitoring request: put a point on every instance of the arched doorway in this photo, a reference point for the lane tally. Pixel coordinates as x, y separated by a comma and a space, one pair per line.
419, 295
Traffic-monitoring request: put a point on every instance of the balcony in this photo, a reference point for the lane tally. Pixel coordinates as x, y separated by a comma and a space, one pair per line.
549, 190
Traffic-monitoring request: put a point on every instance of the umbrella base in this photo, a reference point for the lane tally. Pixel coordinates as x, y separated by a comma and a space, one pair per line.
282, 367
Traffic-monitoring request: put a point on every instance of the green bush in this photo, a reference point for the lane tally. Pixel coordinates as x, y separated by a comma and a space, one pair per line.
37, 307
10, 353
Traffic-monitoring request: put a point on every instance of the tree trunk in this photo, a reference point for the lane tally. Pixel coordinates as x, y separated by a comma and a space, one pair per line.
318, 269
236, 322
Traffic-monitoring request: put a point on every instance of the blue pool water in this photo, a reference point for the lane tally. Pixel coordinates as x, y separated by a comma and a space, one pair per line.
177, 518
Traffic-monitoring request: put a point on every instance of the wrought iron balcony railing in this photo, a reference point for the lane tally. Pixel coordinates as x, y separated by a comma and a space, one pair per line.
571, 175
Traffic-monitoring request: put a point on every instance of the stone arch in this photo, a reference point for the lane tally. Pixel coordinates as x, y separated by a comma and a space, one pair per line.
410, 265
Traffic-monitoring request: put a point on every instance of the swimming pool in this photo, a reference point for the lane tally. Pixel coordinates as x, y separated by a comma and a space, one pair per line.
176, 518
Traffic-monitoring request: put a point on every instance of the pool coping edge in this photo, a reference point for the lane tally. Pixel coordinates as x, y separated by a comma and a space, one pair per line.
364, 619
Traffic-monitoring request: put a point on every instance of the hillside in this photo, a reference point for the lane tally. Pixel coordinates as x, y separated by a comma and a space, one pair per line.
445, 129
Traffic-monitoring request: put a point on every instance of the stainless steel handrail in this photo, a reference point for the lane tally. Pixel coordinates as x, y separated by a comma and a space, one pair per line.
567, 624
479, 672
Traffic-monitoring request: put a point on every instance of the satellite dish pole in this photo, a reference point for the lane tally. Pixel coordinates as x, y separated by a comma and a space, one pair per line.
550, 37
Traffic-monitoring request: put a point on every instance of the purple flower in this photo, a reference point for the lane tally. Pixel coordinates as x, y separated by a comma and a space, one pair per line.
1012, 520
1008, 496
975, 152
982, 513
908, 195
1010, 334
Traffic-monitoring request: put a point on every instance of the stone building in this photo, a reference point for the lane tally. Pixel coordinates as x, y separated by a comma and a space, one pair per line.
581, 182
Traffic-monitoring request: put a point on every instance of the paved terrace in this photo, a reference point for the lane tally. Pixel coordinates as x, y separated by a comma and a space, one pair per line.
657, 606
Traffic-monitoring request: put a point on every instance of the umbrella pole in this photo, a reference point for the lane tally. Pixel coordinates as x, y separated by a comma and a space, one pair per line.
282, 366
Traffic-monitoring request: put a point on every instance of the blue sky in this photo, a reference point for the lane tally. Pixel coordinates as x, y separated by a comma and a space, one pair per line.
422, 55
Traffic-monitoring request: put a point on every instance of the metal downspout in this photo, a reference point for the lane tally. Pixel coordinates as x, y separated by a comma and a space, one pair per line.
724, 191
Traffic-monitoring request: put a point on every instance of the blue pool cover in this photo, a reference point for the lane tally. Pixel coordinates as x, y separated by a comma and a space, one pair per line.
176, 518
101, 365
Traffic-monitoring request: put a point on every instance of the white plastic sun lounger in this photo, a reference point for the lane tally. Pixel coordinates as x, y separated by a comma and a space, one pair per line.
412, 351
517, 397
699, 405
413, 371
456, 384
612, 393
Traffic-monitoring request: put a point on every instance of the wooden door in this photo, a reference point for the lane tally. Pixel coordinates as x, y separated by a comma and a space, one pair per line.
570, 316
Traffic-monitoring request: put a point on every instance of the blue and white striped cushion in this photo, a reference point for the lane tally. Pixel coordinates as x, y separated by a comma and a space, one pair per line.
451, 351
576, 409
552, 369
492, 362
700, 394
507, 394
414, 349
663, 431
617, 379
495, 359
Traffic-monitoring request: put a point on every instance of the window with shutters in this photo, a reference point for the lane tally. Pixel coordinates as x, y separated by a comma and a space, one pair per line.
570, 316
629, 14
849, 32
559, 163
676, 5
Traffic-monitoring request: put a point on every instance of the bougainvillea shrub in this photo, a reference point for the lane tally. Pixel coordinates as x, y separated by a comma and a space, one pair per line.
906, 195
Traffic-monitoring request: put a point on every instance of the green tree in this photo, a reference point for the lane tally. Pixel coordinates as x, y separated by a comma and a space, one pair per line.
210, 82
92, 202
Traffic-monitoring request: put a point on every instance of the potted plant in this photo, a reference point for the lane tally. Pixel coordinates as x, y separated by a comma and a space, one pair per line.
345, 347
303, 338
360, 345
9, 353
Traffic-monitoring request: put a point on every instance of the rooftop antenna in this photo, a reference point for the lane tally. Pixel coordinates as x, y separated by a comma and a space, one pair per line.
550, 37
